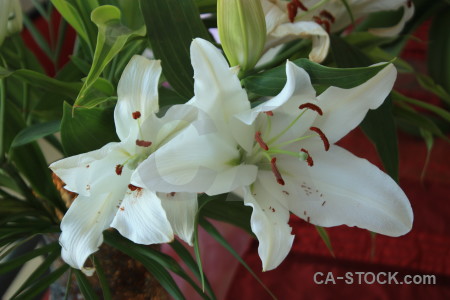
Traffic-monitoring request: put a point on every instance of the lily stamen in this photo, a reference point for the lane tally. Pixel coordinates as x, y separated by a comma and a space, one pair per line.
312, 107
309, 159
119, 169
275, 171
260, 141
142, 143
322, 136
136, 115
326, 14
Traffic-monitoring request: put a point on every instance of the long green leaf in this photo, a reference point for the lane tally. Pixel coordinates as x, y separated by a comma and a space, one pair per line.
35, 132
12, 264
85, 286
43, 82
326, 239
271, 82
42, 285
171, 26
219, 238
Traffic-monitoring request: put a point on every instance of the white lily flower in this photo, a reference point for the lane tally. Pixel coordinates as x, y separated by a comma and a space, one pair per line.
289, 20
101, 178
282, 154
10, 18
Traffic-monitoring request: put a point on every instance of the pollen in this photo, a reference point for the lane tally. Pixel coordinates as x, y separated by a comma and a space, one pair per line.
260, 141
119, 169
276, 172
325, 141
292, 9
142, 143
136, 115
269, 113
312, 107
309, 159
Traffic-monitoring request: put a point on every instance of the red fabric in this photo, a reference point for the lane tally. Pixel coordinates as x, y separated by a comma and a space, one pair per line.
425, 250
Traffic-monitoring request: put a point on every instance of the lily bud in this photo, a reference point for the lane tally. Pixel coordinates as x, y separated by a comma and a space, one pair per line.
242, 31
10, 18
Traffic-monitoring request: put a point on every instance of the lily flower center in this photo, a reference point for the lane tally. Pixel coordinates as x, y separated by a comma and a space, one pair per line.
265, 152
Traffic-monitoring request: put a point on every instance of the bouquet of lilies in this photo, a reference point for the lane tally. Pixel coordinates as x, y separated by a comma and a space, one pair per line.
164, 123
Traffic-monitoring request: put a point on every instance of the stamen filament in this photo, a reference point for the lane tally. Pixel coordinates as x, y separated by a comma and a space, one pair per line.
293, 141
274, 139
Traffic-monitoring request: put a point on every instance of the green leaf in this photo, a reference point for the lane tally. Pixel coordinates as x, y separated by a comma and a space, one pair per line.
228, 208
86, 129
112, 36
102, 279
171, 26
430, 107
187, 258
378, 124
72, 16
7, 182
219, 238
349, 11
39, 271
271, 82
417, 120
140, 253
17, 262
325, 238
43, 82
439, 48
428, 83
429, 142
35, 132
85, 286
42, 284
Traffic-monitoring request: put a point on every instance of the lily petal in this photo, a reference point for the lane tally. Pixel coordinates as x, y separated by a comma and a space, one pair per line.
286, 32
396, 29
137, 91
193, 162
218, 91
181, 209
269, 222
344, 109
342, 189
83, 173
82, 227
142, 219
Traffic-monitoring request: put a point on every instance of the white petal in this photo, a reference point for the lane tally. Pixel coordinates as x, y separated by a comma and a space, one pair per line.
137, 91
83, 225
303, 29
396, 29
218, 91
142, 219
342, 189
194, 162
5, 9
88, 172
181, 209
274, 15
344, 109
269, 222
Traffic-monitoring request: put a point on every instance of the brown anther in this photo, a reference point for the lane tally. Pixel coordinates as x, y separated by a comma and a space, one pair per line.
409, 3
326, 14
301, 5
119, 169
327, 25
292, 11
317, 20
142, 143
260, 141
134, 188
269, 113
136, 115
325, 141
276, 172
309, 159
312, 107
